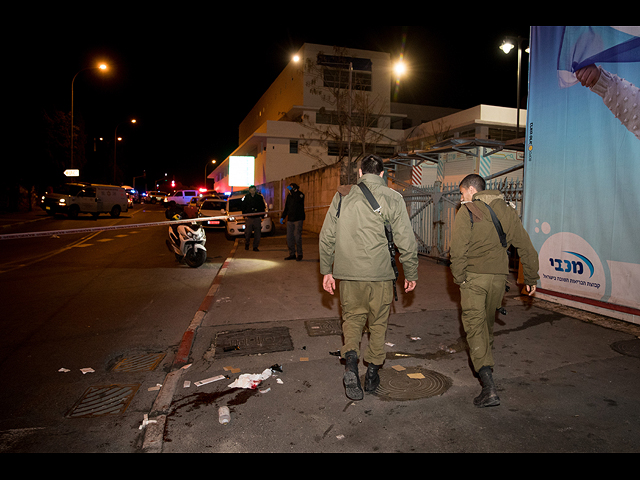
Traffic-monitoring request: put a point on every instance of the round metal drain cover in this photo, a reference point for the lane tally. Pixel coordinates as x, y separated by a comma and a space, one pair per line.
631, 348
411, 384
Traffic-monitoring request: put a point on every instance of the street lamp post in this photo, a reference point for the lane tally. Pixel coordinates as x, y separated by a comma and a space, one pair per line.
213, 162
100, 67
115, 145
506, 47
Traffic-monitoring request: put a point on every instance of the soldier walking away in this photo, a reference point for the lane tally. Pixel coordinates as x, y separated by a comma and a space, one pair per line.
354, 248
484, 228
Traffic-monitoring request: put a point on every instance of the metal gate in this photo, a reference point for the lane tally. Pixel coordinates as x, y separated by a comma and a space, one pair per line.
432, 211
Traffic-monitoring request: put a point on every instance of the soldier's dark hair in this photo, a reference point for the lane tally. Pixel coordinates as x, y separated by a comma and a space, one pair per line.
475, 181
372, 164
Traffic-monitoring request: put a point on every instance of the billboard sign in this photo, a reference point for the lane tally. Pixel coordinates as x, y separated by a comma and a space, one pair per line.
241, 171
582, 164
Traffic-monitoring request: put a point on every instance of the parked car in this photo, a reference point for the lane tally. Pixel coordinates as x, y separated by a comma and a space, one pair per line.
235, 220
212, 207
156, 197
133, 193
192, 209
182, 197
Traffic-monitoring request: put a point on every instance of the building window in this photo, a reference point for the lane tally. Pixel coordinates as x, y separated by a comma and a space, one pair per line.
336, 72
502, 135
293, 146
385, 151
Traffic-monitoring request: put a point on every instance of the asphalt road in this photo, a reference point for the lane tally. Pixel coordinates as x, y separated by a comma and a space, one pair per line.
89, 301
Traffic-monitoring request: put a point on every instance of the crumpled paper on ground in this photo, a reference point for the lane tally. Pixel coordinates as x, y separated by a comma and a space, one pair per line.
251, 382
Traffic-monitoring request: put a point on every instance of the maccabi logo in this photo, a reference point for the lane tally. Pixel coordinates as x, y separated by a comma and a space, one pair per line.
573, 266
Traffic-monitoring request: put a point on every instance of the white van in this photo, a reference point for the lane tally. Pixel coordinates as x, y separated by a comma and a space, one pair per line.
75, 198
182, 197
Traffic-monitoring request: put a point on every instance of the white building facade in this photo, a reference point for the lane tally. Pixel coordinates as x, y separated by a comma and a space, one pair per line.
292, 129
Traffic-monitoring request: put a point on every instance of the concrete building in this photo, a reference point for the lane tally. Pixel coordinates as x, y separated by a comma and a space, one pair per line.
293, 127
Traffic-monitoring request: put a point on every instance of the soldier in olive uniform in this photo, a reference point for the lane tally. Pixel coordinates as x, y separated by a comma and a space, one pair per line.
480, 265
354, 249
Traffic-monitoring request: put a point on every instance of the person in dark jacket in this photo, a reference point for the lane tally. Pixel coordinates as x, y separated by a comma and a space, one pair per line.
252, 205
294, 210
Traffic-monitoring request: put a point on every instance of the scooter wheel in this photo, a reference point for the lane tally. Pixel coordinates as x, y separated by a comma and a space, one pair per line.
195, 258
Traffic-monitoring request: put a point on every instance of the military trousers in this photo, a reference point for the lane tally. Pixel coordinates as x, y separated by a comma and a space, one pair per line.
481, 296
362, 303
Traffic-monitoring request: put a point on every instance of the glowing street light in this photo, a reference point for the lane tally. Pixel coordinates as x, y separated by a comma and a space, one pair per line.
400, 68
115, 144
103, 67
507, 47
212, 162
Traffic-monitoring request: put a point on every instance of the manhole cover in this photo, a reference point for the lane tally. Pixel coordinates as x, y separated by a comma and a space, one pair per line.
253, 342
402, 387
103, 401
631, 348
324, 327
139, 363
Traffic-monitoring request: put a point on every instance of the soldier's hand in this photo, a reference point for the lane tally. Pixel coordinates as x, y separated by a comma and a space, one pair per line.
329, 284
409, 286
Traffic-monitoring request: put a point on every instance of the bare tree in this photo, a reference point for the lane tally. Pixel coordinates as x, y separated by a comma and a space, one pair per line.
349, 123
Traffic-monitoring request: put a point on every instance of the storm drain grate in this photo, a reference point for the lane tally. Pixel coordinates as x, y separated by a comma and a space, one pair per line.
324, 327
139, 363
104, 400
253, 342
400, 386
630, 348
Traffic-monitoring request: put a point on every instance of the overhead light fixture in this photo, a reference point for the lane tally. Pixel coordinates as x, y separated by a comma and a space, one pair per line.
507, 46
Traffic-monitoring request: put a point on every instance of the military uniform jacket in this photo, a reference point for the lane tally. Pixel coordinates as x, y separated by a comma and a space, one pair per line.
476, 247
354, 246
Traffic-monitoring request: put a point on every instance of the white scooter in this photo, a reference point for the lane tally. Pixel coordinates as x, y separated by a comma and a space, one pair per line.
188, 242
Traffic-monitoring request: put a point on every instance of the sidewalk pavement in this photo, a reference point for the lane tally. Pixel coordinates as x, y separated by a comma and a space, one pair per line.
563, 387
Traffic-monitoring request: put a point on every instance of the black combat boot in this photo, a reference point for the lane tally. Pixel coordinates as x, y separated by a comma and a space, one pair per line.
372, 380
352, 385
489, 395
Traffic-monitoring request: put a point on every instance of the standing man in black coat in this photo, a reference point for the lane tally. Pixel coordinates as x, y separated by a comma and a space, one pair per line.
253, 205
294, 209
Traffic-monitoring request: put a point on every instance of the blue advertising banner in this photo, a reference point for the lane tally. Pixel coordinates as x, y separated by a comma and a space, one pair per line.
582, 165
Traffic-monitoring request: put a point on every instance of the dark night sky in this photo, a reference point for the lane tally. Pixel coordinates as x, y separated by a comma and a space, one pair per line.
190, 86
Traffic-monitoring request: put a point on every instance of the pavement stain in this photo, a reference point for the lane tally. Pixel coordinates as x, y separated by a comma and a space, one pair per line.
204, 399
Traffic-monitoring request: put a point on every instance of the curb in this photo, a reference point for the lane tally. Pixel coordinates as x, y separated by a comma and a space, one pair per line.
154, 433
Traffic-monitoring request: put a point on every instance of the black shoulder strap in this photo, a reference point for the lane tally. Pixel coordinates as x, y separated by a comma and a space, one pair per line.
387, 231
496, 223
370, 198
